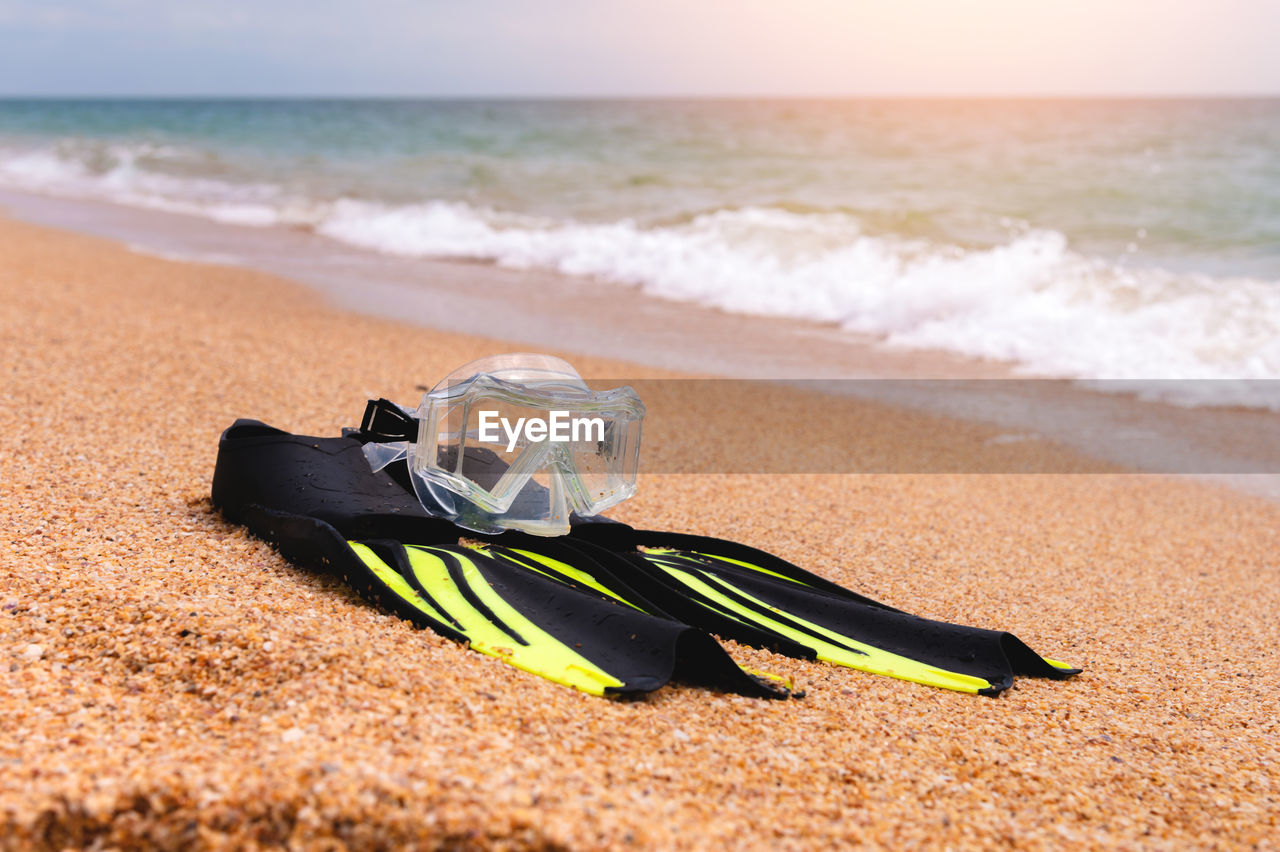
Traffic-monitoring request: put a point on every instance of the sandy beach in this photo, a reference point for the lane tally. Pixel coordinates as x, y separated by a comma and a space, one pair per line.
171, 682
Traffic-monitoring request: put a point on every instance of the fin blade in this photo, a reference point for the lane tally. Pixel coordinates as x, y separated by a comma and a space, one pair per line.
828, 645
540, 653
557, 569
393, 581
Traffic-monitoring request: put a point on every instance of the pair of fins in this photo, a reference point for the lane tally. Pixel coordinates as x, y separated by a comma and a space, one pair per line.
607, 609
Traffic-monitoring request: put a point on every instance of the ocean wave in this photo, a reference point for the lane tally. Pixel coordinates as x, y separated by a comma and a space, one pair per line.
115, 172
1032, 300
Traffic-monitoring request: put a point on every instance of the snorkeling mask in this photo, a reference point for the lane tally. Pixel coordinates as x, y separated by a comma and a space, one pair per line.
513, 442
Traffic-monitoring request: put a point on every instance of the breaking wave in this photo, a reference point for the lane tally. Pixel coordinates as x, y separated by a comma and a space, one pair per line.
1032, 300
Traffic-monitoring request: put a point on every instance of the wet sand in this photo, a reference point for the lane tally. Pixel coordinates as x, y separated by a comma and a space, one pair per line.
171, 682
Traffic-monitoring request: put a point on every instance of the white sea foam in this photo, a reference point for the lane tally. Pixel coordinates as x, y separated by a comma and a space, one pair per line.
123, 181
1032, 300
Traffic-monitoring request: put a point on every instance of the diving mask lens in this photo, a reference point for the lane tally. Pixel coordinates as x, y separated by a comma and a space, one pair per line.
524, 443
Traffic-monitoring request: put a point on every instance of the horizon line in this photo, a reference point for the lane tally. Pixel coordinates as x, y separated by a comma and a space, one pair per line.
1117, 96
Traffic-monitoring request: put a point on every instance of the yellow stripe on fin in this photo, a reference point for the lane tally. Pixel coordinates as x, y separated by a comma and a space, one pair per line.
542, 655
575, 574
391, 578
865, 657
748, 565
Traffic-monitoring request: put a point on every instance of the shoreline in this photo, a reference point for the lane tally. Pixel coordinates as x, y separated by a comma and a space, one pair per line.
1236, 447
173, 681
484, 299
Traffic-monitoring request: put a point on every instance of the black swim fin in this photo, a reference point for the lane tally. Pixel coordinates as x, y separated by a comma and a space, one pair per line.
758, 599
318, 501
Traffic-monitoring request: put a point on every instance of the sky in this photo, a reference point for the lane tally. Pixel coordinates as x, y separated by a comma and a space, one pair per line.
637, 48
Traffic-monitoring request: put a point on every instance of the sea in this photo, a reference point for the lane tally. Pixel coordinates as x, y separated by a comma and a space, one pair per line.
1085, 239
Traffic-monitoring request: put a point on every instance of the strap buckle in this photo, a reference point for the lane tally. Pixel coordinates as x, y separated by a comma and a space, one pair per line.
384, 422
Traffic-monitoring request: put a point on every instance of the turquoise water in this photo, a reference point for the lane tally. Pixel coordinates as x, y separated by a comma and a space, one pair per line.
1103, 238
